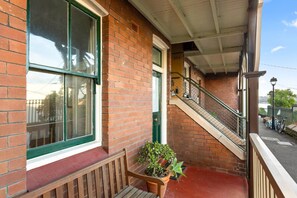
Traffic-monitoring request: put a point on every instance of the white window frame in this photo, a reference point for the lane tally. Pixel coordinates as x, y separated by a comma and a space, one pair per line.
158, 42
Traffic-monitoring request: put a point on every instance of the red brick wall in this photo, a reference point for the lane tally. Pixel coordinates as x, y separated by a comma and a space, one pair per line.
12, 97
195, 146
127, 79
127, 68
224, 87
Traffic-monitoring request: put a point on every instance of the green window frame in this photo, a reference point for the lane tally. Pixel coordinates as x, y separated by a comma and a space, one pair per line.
68, 72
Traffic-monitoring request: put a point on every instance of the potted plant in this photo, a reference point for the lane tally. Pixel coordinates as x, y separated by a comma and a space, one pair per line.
161, 162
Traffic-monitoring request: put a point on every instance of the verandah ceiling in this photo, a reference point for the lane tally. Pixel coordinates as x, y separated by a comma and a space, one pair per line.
216, 27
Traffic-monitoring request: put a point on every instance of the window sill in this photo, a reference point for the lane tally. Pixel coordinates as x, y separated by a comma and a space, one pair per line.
56, 156
53, 166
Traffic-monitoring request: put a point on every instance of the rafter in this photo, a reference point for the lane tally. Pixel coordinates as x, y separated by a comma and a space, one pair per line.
206, 53
205, 58
216, 22
176, 7
211, 35
181, 15
220, 66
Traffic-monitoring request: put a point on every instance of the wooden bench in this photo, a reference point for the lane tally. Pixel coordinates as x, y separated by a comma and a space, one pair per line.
107, 178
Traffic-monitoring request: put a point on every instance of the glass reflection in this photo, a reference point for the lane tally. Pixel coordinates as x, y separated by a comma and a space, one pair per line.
48, 33
79, 103
157, 56
83, 40
44, 108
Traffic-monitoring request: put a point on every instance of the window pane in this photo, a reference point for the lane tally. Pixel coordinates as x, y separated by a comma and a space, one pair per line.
83, 40
79, 106
44, 108
156, 94
48, 33
157, 56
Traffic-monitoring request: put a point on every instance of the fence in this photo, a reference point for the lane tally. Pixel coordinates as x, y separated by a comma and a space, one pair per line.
44, 122
290, 114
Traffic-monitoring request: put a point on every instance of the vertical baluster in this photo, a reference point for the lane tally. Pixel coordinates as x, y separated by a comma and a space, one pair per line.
34, 110
30, 111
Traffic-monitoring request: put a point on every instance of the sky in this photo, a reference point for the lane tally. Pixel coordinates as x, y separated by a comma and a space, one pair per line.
279, 45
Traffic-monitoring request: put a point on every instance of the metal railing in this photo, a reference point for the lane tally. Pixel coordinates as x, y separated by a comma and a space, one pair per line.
201, 100
44, 122
269, 178
41, 110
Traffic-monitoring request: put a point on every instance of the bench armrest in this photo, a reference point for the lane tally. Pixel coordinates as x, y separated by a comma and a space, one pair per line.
146, 178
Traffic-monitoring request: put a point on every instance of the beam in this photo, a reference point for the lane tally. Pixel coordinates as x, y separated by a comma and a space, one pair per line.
181, 15
206, 53
220, 66
205, 58
215, 15
176, 7
146, 13
211, 35
216, 22
218, 70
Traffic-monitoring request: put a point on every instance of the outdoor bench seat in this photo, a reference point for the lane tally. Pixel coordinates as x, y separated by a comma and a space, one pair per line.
107, 178
130, 191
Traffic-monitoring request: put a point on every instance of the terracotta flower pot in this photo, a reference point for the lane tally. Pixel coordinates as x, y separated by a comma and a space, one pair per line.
153, 187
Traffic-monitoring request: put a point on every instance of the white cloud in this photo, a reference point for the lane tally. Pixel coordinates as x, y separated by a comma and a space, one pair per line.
293, 23
275, 49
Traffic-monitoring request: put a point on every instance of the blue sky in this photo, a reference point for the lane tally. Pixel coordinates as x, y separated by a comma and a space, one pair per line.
279, 45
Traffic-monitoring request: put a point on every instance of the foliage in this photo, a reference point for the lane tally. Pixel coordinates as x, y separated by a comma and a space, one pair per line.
153, 153
282, 98
262, 111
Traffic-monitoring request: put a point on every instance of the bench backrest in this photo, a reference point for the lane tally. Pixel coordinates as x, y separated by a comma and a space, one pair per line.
102, 179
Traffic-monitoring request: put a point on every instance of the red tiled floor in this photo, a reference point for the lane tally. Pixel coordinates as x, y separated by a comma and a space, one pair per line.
205, 183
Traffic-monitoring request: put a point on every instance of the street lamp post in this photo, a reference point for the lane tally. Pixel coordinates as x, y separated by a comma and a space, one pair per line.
273, 82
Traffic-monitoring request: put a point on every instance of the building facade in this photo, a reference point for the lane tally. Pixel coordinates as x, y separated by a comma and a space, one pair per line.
83, 79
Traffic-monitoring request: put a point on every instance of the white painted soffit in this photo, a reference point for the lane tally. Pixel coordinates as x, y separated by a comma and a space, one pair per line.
214, 26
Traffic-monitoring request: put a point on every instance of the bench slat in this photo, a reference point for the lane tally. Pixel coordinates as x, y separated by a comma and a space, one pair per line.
98, 182
59, 192
137, 193
124, 192
47, 195
105, 181
123, 173
142, 194
70, 189
131, 192
90, 185
117, 169
111, 178
80, 184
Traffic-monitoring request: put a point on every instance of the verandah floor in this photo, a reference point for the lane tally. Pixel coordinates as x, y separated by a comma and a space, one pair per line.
206, 183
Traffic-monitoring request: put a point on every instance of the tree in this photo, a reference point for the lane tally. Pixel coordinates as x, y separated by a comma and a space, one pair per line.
282, 98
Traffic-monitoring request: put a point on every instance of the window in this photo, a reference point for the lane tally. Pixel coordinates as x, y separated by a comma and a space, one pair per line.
157, 57
63, 71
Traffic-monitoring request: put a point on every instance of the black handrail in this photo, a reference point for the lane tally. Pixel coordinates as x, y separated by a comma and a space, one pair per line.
211, 95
